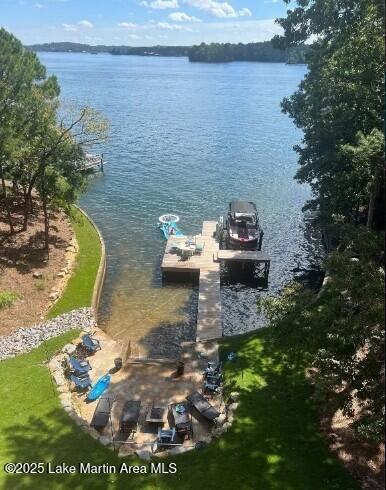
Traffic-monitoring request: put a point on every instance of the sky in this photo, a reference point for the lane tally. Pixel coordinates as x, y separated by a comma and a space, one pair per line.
141, 22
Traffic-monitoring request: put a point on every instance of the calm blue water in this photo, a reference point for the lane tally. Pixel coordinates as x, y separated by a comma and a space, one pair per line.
185, 138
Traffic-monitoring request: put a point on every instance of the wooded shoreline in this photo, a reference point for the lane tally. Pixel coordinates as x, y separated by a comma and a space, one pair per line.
207, 53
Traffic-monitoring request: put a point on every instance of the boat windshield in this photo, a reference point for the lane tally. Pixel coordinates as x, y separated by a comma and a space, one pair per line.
249, 218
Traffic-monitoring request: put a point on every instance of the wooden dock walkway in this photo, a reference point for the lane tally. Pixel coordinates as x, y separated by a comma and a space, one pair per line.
209, 323
209, 318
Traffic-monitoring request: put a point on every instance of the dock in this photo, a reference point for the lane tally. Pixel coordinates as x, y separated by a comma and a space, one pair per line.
93, 162
260, 259
209, 324
207, 265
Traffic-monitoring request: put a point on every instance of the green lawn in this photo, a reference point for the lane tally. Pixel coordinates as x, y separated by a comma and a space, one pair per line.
273, 444
80, 286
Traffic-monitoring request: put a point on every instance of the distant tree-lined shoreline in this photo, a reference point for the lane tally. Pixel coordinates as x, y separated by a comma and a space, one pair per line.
262, 52
208, 53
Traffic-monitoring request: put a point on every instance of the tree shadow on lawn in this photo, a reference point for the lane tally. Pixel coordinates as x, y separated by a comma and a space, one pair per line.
274, 442
30, 252
53, 437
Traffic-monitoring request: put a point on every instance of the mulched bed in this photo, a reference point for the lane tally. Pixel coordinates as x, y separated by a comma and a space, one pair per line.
21, 255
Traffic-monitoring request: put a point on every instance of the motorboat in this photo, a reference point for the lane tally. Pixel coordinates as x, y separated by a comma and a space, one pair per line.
241, 226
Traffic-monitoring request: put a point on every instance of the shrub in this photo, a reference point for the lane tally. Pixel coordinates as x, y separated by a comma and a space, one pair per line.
7, 298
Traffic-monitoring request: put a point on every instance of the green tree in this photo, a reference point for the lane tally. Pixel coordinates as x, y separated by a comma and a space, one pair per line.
263, 51
22, 77
58, 175
40, 151
367, 160
342, 94
340, 108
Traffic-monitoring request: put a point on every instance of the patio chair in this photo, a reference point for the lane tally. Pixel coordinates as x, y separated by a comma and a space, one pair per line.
81, 383
199, 248
212, 384
184, 253
79, 366
92, 345
203, 407
165, 438
212, 369
102, 414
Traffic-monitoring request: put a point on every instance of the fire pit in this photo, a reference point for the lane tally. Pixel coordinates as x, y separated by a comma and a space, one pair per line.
156, 415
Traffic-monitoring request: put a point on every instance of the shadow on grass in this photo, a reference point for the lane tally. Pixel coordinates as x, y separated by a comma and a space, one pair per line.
276, 419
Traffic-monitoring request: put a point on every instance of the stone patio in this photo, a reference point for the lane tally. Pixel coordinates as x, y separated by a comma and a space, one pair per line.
153, 383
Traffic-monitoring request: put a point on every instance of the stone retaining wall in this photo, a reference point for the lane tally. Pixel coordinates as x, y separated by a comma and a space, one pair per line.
25, 339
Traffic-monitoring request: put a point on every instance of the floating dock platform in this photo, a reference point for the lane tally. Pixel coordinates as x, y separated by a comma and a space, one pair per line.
207, 265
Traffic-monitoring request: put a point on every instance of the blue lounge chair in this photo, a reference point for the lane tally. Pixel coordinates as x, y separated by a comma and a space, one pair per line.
212, 369
213, 382
81, 383
92, 345
79, 367
213, 388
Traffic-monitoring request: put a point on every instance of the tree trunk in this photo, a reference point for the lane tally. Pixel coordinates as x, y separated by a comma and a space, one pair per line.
26, 210
8, 211
374, 191
31, 204
46, 223
28, 202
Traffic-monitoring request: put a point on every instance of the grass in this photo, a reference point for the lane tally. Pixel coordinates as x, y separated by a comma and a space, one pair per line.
274, 442
80, 286
7, 298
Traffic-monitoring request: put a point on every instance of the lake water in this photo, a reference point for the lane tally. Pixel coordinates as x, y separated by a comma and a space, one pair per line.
186, 138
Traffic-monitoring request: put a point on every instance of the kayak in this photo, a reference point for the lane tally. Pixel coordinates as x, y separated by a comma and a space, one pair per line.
100, 386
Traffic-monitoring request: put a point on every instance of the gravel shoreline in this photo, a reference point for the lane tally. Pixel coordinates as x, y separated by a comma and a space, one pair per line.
25, 339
